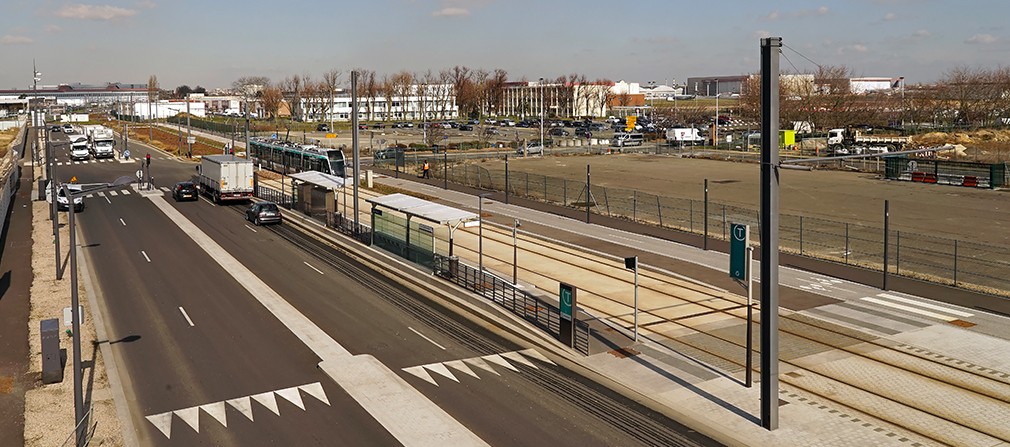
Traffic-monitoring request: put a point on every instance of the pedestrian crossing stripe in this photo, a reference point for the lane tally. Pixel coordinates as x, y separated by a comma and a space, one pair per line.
917, 307
217, 410
505, 360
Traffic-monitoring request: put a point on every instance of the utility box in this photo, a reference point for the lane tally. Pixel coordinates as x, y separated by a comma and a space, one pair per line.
52, 356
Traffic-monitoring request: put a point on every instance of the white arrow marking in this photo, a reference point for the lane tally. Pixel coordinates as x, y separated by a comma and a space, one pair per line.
268, 400
461, 367
442, 371
477, 362
190, 416
533, 353
516, 357
292, 395
162, 422
216, 410
243, 405
498, 360
316, 390
419, 371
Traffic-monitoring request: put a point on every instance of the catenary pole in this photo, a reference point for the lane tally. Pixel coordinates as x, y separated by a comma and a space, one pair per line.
770, 47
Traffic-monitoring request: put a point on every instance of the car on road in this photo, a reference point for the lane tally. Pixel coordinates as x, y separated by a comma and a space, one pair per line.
323, 128
56, 129
557, 132
583, 133
465, 127
67, 128
387, 153
184, 191
378, 126
491, 131
261, 213
533, 148
61, 198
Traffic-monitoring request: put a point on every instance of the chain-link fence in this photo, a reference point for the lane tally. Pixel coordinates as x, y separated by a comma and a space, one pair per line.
970, 264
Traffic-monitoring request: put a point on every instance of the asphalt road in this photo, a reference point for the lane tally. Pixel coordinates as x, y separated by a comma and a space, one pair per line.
187, 334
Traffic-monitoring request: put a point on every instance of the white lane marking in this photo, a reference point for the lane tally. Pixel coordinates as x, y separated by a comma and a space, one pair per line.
145, 255
910, 309
251, 229
112, 192
107, 199
208, 201
313, 268
926, 305
188, 320
122, 221
385, 395
426, 338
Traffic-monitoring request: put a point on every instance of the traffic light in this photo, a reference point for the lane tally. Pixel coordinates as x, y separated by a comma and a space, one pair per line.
149, 159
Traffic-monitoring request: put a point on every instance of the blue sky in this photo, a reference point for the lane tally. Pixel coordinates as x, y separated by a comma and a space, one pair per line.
213, 42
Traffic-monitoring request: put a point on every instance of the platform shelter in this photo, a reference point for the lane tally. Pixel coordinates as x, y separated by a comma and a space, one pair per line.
407, 226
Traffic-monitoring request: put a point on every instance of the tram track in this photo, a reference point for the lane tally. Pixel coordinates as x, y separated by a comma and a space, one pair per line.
902, 367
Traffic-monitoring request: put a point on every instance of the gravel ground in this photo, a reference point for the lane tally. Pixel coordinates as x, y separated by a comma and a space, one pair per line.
49, 409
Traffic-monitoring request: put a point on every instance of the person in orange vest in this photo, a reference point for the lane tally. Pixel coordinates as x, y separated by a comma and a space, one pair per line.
426, 170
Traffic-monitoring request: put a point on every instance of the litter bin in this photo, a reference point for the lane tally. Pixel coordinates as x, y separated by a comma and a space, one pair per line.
453, 266
52, 357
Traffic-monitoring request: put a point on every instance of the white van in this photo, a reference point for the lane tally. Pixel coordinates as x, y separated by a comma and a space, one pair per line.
61, 198
623, 139
79, 147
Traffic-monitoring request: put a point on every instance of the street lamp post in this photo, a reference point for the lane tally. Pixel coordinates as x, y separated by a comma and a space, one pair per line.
515, 254
80, 429
480, 232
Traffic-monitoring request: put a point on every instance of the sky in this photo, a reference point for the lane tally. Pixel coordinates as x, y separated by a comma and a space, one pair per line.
213, 42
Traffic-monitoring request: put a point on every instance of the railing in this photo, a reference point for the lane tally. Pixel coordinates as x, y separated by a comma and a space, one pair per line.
970, 264
541, 314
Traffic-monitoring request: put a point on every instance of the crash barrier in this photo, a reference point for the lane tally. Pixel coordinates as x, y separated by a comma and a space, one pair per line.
946, 172
542, 314
971, 264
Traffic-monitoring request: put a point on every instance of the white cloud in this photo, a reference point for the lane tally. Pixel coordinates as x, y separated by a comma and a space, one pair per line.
147, 4
761, 34
15, 40
854, 48
53, 29
774, 15
451, 12
981, 39
921, 33
890, 16
94, 12
811, 12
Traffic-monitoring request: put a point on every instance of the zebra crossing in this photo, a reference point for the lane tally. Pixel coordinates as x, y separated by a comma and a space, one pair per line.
103, 160
121, 192
487, 363
891, 314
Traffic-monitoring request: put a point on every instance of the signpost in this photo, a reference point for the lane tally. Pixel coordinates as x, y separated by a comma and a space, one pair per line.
631, 123
740, 255
632, 264
567, 303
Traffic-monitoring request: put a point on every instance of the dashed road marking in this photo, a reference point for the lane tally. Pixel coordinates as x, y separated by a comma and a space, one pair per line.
426, 338
184, 314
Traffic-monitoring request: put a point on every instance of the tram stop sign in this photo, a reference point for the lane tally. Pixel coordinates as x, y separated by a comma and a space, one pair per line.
566, 301
738, 242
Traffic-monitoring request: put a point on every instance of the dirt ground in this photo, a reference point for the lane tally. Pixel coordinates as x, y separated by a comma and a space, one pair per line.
948, 211
49, 409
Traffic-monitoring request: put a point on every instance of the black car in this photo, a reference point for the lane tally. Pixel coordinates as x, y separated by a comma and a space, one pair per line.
465, 127
557, 132
583, 132
323, 128
56, 129
263, 213
184, 191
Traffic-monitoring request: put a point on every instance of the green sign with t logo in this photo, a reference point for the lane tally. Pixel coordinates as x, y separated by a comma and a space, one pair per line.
739, 239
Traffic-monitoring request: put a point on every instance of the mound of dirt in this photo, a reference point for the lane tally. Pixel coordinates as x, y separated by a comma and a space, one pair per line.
963, 138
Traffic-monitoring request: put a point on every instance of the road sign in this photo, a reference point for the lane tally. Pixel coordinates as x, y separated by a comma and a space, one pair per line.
329, 135
631, 123
140, 174
190, 140
566, 298
738, 242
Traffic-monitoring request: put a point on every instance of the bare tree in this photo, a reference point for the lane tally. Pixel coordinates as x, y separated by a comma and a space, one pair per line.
402, 83
330, 82
271, 97
606, 96
388, 88
152, 94
249, 88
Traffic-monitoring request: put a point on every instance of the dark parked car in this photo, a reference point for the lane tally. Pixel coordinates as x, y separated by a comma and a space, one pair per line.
263, 213
56, 129
323, 128
387, 153
464, 127
184, 191
378, 126
557, 132
583, 132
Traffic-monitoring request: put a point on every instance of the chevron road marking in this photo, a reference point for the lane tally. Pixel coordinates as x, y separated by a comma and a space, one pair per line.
465, 366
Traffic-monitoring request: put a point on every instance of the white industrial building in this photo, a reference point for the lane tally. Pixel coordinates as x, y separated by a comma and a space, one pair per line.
525, 99
162, 109
432, 102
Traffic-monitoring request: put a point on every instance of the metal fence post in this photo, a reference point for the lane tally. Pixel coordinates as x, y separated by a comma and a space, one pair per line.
527, 184
886, 214
897, 252
955, 262
634, 205
705, 218
724, 222
801, 235
606, 200
659, 210
846, 242
690, 214
565, 194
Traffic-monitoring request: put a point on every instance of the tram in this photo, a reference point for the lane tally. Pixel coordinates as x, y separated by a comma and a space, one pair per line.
287, 157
